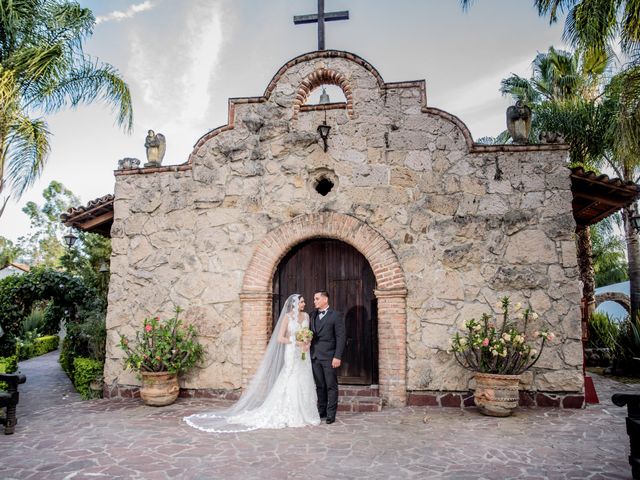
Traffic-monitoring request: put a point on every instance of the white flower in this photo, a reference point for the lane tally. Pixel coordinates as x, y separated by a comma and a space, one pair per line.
517, 307
463, 341
494, 353
534, 315
533, 352
477, 327
520, 315
506, 337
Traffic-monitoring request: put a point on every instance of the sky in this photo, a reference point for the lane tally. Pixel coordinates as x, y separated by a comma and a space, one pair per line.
183, 59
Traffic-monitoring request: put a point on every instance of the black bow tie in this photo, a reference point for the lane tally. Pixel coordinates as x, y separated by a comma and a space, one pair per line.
322, 312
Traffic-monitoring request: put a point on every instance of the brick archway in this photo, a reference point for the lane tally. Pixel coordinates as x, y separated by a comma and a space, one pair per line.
322, 76
621, 299
391, 293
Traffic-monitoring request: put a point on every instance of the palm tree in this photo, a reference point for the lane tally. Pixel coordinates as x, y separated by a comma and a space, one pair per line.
564, 94
43, 69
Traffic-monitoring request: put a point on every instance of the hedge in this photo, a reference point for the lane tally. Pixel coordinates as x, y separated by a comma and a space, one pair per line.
85, 370
46, 344
7, 365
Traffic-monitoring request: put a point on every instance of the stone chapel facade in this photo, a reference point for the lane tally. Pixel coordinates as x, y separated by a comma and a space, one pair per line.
447, 227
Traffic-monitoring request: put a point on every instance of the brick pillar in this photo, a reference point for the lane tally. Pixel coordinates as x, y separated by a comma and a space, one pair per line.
256, 330
392, 349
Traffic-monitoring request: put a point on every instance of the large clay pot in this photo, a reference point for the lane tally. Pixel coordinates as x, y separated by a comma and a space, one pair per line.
496, 395
159, 388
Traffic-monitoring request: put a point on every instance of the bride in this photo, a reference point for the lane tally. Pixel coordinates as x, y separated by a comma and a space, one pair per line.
282, 393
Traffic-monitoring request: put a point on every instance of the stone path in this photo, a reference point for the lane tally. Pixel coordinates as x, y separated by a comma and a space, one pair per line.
60, 437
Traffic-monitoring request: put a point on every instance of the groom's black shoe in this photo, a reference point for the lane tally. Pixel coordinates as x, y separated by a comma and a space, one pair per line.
330, 421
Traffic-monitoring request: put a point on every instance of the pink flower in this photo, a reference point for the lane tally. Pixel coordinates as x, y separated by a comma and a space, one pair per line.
485, 342
148, 328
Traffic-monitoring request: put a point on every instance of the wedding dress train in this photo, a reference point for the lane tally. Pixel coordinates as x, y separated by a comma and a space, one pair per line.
282, 393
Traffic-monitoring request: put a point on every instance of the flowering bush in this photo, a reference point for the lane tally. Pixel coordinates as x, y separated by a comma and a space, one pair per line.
486, 347
163, 347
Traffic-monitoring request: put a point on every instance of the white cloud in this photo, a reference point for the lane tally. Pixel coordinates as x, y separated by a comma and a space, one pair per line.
119, 15
479, 102
175, 74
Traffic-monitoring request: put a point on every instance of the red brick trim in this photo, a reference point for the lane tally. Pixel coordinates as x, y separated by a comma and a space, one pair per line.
391, 293
145, 171
421, 398
323, 76
473, 147
278, 242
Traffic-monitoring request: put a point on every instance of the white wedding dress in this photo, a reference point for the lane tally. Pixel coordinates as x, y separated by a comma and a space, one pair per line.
292, 401
282, 393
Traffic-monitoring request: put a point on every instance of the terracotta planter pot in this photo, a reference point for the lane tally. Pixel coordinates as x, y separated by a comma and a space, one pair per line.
496, 395
159, 388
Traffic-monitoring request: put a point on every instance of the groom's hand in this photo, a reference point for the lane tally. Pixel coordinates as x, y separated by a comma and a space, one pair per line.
336, 362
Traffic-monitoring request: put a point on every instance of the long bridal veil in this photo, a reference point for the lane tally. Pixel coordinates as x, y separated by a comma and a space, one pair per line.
256, 393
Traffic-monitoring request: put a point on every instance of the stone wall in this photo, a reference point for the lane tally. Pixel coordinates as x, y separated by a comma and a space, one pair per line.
466, 223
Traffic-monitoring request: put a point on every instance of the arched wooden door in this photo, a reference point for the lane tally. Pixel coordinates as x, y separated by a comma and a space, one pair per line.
345, 273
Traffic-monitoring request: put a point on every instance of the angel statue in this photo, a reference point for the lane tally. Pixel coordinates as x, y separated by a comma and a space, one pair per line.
519, 122
156, 146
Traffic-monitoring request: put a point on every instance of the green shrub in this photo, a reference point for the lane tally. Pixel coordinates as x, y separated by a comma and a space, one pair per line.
26, 345
18, 293
7, 365
34, 321
603, 331
86, 370
46, 344
628, 347
67, 354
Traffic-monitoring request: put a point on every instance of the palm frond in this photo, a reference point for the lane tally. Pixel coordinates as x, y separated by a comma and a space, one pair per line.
28, 149
87, 83
553, 7
592, 24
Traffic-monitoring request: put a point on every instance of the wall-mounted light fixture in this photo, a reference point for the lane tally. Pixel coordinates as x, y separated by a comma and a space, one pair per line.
323, 130
70, 238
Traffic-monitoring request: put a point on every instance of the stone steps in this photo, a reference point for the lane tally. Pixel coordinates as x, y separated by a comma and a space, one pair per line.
359, 398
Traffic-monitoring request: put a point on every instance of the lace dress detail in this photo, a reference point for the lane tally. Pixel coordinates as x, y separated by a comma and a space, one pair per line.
292, 401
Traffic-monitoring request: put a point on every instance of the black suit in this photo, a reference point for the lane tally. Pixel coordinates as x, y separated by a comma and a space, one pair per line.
328, 343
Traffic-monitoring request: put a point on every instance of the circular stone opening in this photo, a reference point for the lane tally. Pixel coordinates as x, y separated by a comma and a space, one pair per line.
324, 186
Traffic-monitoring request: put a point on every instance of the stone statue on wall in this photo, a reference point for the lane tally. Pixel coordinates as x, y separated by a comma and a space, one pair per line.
128, 163
551, 137
156, 146
519, 122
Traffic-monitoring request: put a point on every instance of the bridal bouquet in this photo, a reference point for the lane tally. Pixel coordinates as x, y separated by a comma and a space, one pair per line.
304, 335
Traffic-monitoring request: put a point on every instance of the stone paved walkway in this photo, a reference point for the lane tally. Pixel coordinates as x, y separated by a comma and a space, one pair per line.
60, 437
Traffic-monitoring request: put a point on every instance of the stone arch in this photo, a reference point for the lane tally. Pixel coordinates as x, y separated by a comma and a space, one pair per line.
323, 76
391, 293
621, 299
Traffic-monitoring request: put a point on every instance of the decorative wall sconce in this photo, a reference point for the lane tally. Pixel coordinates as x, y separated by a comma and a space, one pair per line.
323, 130
70, 238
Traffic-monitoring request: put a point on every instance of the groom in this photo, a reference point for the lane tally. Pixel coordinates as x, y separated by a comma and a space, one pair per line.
327, 346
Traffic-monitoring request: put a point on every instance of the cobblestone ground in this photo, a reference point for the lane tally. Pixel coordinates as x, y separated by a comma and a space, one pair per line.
60, 437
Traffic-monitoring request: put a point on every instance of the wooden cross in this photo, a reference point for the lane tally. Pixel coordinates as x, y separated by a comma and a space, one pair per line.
320, 18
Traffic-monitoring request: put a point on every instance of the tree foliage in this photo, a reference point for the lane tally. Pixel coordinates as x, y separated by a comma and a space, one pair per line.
18, 293
43, 68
